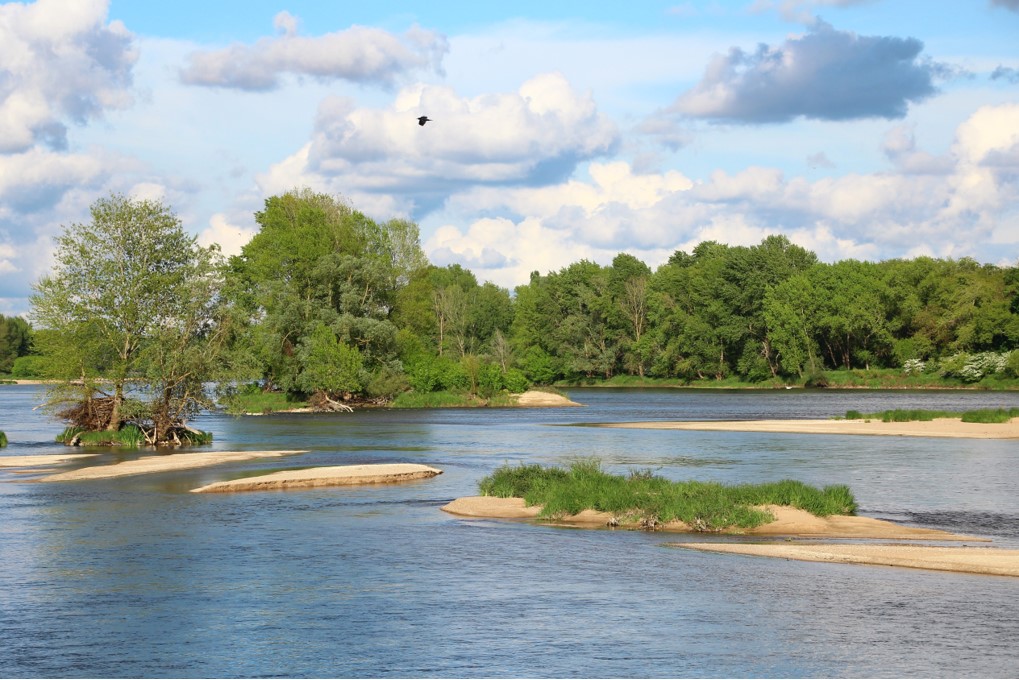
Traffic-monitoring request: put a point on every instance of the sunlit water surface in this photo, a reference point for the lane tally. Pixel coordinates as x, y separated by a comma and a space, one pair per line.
136, 577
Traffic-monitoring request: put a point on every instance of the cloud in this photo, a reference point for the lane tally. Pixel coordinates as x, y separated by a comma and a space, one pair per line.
59, 62
37, 179
1006, 73
535, 135
1007, 4
825, 74
963, 203
359, 54
230, 237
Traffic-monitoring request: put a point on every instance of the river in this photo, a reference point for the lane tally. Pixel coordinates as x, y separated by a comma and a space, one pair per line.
136, 577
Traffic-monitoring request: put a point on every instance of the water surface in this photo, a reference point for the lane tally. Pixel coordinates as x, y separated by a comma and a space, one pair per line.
137, 577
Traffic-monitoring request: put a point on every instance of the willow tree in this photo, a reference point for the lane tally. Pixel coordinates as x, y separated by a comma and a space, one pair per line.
131, 298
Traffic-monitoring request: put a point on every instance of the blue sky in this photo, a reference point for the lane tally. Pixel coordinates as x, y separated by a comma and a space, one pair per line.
561, 131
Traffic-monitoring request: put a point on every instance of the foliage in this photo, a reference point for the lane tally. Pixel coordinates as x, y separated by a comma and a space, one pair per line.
28, 367
642, 496
132, 296
251, 398
3, 439
15, 341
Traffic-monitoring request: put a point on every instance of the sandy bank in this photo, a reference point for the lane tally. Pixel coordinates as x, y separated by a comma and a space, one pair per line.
340, 475
536, 398
150, 464
959, 559
34, 461
788, 521
940, 427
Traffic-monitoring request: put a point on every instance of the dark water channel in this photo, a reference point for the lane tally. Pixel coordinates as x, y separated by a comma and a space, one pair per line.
136, 577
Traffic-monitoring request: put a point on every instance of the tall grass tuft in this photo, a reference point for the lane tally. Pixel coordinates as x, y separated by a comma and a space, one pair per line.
990, 415
650, 499
986, 415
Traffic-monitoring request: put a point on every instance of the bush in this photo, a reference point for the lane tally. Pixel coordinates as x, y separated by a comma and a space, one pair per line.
3, 439
913, 366
973, 368
28, 367
1012, 364
515, 381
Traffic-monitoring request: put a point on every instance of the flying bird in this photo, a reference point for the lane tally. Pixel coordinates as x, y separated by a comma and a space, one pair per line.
423, 119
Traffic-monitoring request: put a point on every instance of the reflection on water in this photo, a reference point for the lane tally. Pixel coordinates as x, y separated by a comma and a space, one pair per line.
138, 577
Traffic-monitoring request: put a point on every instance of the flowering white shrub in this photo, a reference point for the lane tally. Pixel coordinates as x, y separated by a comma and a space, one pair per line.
974, 367
913, 366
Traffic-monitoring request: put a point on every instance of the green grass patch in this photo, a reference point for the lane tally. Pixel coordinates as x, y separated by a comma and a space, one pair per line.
990, 415
450, 399
249, 401
650, 499
986, 415
439, 399
129, 435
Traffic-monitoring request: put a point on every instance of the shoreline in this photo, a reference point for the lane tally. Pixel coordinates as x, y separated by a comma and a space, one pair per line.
965, 559
788, 522
939, 427
794, 526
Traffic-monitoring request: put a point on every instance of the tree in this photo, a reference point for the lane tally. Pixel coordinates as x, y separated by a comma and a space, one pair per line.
15, 341
131, 295
318, 262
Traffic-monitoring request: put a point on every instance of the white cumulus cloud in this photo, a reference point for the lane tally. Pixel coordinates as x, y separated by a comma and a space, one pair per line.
533, 136
360, 54
60, 62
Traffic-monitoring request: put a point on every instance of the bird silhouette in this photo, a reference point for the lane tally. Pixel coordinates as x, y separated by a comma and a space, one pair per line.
423, 119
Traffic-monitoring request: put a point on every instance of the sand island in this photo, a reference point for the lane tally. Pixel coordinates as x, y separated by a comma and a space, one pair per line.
939, 427
337, 475
158, 463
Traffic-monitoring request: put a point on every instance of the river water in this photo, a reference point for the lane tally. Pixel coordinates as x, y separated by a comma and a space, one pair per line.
136, 577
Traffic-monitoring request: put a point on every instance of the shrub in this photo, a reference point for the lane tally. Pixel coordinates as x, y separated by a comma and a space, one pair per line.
515, 381
27, 367
1012, 364
3, 439
913, 366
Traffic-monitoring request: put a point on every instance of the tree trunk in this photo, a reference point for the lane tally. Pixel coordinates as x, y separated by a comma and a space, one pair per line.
118, 397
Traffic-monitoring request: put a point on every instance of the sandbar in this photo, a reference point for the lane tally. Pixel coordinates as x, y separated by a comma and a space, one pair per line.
788, 521
939, 427
537, 398
338, 475
34, 461
150, 464
957, 559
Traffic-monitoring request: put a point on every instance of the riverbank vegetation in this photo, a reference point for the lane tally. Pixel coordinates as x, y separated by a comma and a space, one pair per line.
652, 500
987, 415
328, 306
3, 439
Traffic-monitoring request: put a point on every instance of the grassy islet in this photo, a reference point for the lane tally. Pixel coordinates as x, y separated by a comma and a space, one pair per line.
651, 499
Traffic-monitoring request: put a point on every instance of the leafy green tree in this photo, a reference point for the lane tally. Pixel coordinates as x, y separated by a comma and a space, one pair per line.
128, 286
329, 365
318, 262
15, 341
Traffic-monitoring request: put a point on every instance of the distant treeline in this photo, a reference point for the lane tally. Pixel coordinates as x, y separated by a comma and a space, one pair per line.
326, 301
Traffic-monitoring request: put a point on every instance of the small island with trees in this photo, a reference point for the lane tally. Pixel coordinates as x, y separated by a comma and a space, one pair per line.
328, 309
